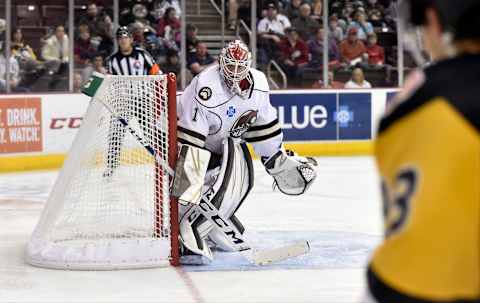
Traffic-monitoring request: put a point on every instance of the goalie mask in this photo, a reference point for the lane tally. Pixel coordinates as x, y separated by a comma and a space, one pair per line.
235, 61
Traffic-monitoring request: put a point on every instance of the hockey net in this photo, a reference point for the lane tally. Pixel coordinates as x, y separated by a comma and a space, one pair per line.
110, 206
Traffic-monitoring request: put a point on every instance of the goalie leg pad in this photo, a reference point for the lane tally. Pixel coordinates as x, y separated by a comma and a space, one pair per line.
232, 185
190, 173
218, 240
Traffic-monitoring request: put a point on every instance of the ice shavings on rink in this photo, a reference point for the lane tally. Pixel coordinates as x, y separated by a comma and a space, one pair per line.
26, 186
340, 216
328, 250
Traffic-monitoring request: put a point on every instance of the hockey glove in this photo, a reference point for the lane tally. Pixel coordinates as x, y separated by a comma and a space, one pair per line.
293, 174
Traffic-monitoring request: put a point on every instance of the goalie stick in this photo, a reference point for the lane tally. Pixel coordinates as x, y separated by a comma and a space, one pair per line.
257, 257
237, 239
141, 140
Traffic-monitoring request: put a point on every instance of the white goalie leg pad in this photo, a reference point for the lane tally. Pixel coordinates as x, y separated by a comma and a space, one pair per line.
232, 184
190, 173
293, 174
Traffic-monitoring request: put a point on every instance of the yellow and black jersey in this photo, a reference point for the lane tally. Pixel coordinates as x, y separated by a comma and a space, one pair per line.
428, 155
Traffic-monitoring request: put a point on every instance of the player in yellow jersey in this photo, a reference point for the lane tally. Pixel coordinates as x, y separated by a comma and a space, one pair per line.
428, 155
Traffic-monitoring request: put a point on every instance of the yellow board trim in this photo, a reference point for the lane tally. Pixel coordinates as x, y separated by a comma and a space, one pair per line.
344, 148
55, 161
348, 148
31, 162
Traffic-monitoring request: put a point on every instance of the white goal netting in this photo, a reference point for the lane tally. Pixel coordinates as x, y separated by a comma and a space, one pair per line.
110, 206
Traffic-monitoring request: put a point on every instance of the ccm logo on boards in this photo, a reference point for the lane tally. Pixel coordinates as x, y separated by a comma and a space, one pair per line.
60, 123
301, 117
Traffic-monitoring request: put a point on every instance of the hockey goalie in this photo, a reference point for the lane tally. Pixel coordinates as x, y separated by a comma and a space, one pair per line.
223, 108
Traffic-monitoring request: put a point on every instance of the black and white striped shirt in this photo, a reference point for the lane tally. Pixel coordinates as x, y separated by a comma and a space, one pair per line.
139, 62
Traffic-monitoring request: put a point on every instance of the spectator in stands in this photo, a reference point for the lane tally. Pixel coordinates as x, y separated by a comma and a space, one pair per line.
304, 23
3, 25
293, 9
168, 29
271, 30
335, 30
345, 18
363, 27
93, 19
375, 18
293, 54
55, 51
332, 84
315, 48
14, 73
200, 60
358, 80
172, 64
138, 29
236, 8
23, 52
376, 53
105, 46
160, 8
77, 82
352, 50
97, 66
317, 12
155, 46
192, 39
83, 47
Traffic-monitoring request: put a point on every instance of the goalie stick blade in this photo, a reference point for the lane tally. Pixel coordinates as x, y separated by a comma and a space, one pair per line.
266, 257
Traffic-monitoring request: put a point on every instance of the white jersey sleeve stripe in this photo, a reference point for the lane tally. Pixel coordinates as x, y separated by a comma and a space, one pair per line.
265, 136
262, 130
187, 136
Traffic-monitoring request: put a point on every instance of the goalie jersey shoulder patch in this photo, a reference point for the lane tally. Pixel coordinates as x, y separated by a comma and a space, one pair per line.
208, 112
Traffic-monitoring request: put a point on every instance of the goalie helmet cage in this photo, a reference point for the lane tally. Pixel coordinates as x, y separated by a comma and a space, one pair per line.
110, 207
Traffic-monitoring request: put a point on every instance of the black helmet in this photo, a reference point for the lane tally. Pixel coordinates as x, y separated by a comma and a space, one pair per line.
123, 31
459, 17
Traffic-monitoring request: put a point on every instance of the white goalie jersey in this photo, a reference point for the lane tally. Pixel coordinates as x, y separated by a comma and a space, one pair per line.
208, 113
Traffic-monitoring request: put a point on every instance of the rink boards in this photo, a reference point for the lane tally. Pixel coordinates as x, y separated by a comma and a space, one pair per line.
36, 131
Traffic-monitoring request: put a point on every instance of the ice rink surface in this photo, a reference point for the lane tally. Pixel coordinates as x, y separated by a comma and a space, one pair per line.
340, 216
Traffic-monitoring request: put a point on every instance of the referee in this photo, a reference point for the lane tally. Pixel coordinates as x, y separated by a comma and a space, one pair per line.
129, 60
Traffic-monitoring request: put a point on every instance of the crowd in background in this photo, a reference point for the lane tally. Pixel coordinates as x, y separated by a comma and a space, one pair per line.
155, 26
291, 32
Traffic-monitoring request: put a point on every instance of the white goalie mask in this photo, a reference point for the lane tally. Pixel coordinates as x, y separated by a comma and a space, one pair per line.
235, 61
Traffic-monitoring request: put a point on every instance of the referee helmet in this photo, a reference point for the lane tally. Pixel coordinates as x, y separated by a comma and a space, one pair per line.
123, 31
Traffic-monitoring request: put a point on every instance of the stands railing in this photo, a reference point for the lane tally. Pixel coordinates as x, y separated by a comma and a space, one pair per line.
280, 71
245, 27
252, 33
221, 12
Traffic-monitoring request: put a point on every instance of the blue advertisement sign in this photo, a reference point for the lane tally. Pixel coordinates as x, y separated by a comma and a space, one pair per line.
324, 116
390, 96
354, 116
306, 117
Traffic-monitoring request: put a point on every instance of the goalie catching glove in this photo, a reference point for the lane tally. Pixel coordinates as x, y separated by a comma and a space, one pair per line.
293, 174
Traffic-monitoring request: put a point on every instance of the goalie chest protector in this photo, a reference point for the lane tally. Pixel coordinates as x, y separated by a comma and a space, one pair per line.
208, 112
